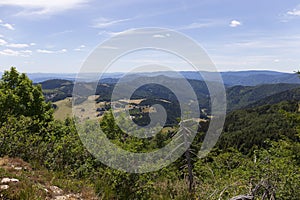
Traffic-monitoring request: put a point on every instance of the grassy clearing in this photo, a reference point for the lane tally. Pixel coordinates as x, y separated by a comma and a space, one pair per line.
64, 109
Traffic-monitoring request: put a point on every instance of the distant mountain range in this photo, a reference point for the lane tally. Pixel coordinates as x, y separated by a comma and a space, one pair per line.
244, 78
238, 97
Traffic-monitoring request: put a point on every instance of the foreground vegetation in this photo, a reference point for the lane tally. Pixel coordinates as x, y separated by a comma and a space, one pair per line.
258, 155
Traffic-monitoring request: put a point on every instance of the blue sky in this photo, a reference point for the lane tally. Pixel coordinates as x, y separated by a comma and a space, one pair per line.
58, 35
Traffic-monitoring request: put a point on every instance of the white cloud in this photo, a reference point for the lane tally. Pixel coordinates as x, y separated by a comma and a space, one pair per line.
17, 45
44, 51
80, 48
159, 36
202, 24
32, 44
50, 51
41, 7
26, 51
104, 22
131, 31
235, 23
294, 12
1, 36
8, 26
2, 42
110, 33
10, 52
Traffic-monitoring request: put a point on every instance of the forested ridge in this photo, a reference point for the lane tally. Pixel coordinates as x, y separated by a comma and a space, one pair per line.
257, 156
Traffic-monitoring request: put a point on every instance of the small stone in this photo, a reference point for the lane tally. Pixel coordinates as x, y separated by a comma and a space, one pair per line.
18, 168
4, 187
56, 190
61, 198
8, 180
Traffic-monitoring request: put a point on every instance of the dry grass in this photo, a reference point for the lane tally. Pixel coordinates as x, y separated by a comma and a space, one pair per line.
38, 183
64, 109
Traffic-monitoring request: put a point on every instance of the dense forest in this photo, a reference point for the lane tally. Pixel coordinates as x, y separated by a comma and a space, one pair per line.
257, 156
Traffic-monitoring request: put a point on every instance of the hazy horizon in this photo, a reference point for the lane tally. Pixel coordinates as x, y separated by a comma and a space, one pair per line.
121, 72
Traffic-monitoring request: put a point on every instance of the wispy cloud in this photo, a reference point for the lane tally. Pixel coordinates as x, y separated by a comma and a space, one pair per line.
161, 35
290, 14
294, 12
10, 52
127, 32
2, 42
202, 24
42, 7
80, 48
104, 22
110, 33
267, 42
45, 51
6, 25
17, 45
235, 23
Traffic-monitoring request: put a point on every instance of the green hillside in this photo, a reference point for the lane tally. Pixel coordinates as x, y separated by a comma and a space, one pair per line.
242, 96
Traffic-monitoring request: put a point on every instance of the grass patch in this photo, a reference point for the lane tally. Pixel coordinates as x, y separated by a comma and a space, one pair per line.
64, 109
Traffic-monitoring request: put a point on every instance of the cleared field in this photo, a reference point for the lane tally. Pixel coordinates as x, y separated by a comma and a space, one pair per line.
87, 109
64, 109
135, 101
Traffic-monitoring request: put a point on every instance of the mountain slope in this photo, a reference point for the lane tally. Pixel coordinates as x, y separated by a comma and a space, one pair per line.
243, 96
289, 95
248, 129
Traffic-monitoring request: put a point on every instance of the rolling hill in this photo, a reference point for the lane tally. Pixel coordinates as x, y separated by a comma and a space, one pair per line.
238, 97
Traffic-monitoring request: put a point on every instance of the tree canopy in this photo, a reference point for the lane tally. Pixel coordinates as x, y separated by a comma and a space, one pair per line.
20, 97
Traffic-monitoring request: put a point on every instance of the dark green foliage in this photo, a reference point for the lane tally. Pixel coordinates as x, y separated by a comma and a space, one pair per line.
172, 110
289, 95
242, 96
248, 129
19, 97
57, 84
56, 89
